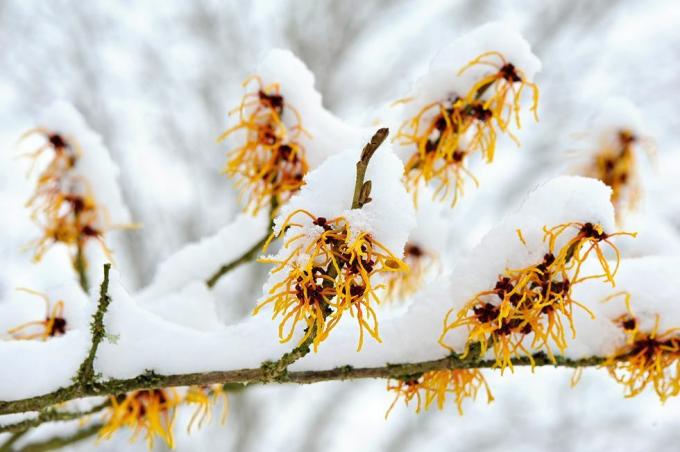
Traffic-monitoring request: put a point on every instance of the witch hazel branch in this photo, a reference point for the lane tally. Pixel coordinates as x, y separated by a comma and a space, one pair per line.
353, 226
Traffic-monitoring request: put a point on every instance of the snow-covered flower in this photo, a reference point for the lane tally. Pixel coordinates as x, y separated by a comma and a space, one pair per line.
280, 131
334, 258
531, 308
74, 201
472, 93
649, 356
423, 250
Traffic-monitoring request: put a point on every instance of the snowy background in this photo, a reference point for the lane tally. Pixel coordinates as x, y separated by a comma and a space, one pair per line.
156, 80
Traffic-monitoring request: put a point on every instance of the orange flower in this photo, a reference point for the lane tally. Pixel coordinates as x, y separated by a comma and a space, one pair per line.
647, 358
270, 164
151, 411
205, 397
327, 275
445, 133
534, 300
437, 385
53, 325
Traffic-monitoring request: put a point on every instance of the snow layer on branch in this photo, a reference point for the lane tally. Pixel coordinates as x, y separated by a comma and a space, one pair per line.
442, 81
413, 336
37, 367
94, 165
649, 281
198, 261
144, 341
328, 134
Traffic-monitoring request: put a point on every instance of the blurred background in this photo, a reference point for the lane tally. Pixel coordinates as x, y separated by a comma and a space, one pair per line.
156, 80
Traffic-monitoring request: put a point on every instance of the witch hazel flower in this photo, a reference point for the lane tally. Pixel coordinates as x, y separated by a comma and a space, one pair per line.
472, 93
649, 357
150, 411
205, 398
53, 324
435, 386
280, 131
337, 250
76, 198
615, 147
530, 308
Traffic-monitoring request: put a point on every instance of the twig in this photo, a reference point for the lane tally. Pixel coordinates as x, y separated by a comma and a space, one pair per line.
86, 376
7, 445
80, 266
57, 442
249, 255
362, 189
50, 414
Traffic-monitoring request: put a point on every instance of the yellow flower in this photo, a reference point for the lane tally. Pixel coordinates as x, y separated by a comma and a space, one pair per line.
63, 205
447, 132
206, 397
54, 323
435, 386
647, 358
326, 276
534, 300
151, 411
271, 162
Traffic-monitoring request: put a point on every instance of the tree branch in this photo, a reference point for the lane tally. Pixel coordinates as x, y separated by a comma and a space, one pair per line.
86, 375
50, 414
151, 380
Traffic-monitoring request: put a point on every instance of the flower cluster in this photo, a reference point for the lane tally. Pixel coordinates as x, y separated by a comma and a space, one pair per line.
437, 385
54, 323
269, 164
63, 205
535, 301
447, 132
153, 411
328, 270
648, 358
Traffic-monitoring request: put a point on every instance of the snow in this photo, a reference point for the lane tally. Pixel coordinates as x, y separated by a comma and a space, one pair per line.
139, 340
199, 261
443, 82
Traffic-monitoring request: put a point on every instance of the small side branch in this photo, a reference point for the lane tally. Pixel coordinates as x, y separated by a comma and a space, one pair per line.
57, 442
362, 190
50, 414
86, 375
249, 255
246, 257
